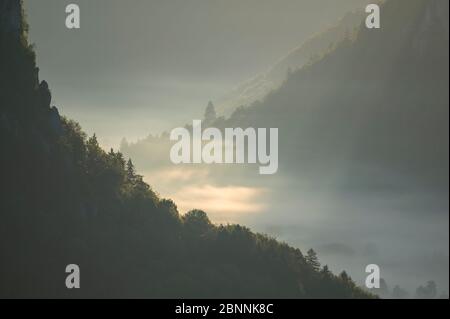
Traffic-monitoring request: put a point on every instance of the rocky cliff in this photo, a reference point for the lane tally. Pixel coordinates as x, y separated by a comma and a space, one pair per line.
11, 16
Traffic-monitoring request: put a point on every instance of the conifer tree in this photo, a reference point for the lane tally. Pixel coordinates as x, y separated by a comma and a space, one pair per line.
313, 260
131, 172
210, 113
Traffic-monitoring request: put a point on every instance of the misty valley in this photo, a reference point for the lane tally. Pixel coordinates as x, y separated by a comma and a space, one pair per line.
317, 170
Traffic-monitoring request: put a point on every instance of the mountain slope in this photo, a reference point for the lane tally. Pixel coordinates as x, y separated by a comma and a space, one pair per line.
64, 200
378, 103
319, 44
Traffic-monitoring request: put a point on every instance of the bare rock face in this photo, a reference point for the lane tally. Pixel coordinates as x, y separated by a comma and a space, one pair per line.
45, 96
55, 120
10, 16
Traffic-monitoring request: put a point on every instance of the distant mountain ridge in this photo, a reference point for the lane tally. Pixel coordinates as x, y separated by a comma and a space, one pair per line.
314, 47
380, 100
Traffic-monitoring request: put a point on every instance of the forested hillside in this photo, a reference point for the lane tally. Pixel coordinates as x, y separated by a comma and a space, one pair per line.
65, 200
378, 101
312, 49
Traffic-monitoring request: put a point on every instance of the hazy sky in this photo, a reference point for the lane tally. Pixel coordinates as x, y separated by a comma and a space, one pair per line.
142, 66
